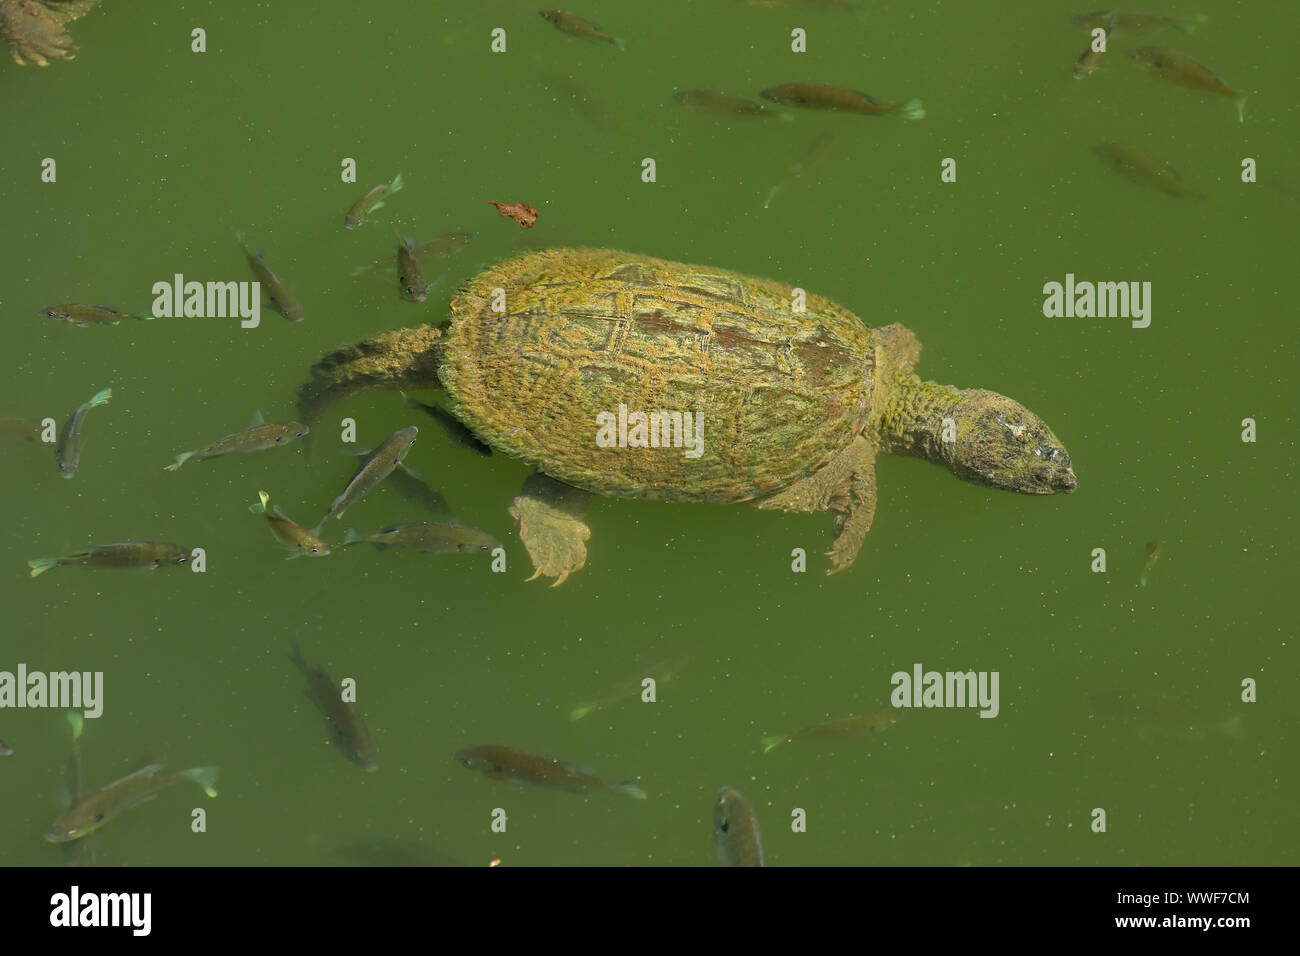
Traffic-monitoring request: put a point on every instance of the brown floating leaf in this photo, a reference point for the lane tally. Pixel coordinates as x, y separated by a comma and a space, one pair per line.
520, 212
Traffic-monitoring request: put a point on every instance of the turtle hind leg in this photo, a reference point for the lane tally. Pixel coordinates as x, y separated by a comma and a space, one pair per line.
401, 359
550, 518
854, 509
847, 488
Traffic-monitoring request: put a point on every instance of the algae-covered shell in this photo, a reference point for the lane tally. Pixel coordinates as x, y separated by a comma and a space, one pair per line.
779, 392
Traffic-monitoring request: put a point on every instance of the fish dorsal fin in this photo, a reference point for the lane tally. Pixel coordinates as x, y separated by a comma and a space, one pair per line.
258, 417
153, 760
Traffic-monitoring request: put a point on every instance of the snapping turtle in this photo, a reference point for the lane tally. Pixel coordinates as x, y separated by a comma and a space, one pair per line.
34, 29
792, 407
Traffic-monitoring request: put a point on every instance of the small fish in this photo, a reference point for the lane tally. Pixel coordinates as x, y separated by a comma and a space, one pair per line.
427, 537
257, 438
520, 212
1152, 715
1143, 168
5, 749
863, 725
839, 4
91, 314
410, 278
661, 672
424, 252
129, 555
75, 852
67, 454
1153, 555
725, 104
1135, 24
811, 157
96, 809
735, 830
517, 766
575, 26
564, 91
287, 532
347, 726
822, 96
1181, 69
415, 488
371, 201
456, 429
378, 466
1094, 51
19, 429
386, 851
77, 723
282, 300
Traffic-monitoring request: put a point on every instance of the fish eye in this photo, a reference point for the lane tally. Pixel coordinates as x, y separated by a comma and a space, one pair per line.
724, 826
99, 817
465, 761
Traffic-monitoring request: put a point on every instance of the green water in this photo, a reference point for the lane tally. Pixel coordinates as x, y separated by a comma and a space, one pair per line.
163, 154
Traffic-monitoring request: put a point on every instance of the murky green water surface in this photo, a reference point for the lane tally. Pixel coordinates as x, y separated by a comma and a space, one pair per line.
164, 154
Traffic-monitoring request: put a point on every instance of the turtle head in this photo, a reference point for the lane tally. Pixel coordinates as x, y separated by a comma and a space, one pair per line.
997, 442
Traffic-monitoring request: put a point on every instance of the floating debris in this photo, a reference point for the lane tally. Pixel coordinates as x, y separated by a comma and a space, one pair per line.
520, 212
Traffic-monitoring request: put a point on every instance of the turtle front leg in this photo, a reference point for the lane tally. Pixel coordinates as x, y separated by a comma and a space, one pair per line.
33, 33
401, 359
846, 487
549, 515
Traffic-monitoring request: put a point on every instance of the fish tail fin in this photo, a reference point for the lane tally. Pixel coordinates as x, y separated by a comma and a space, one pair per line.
76, 721
41, 565
912, 110
259, 507
1189, 24
628, 789
397, 183
181, 459
770, 742
581, 711
785, 116
205, 777
1240, 102
352, 536
100, 398
618, 43
408, 401
146, 316
295, 655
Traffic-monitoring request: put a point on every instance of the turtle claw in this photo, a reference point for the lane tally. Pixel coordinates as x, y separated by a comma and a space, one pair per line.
34, 29
549, 516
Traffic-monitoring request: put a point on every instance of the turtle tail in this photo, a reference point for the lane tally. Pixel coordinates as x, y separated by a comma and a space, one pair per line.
401, 359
